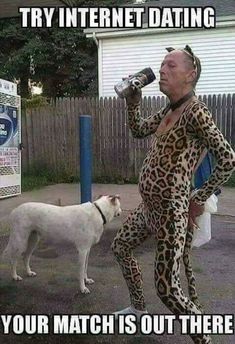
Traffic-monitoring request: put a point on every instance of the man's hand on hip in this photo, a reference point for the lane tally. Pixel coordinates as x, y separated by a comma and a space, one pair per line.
195, 210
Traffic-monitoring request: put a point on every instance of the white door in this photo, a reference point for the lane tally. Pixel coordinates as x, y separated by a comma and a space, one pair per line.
10, 138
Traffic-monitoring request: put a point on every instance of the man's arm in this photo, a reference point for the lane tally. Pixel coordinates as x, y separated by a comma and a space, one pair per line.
142, 127
211, 137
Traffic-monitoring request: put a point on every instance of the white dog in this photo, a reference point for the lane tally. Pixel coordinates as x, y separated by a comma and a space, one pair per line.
81, 225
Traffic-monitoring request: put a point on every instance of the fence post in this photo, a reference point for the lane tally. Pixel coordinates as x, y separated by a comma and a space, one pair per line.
85, 157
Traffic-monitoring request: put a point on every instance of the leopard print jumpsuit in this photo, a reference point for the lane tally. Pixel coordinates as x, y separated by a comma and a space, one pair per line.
164, 185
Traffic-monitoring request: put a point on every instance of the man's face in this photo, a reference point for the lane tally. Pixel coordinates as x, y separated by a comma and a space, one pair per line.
175, 73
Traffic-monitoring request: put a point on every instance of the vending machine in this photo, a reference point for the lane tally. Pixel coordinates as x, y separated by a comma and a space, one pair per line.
10, 138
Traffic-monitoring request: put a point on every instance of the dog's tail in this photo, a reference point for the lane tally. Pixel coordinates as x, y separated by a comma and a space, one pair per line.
9, 249
5, 255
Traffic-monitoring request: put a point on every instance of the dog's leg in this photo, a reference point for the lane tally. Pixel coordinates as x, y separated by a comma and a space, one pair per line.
16, 246
88, 280
15, 277
81, 270
32, 243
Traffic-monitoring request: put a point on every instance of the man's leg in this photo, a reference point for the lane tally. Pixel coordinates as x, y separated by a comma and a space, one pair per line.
130, 235
170, 245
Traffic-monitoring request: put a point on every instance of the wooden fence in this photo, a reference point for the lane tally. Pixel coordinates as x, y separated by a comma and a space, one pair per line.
50, 134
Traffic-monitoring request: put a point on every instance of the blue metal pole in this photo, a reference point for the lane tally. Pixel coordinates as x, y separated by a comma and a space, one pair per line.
85, 131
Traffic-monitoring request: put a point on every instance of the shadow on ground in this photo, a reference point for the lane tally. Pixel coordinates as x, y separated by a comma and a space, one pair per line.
55, 289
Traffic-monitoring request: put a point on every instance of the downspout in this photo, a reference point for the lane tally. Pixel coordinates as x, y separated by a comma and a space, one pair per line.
95, 39
99, 69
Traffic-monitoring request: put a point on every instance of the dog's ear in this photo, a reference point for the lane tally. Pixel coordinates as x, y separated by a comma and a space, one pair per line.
113, 198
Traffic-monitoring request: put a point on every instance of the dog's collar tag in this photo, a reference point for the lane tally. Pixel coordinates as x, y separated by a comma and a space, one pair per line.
102, 215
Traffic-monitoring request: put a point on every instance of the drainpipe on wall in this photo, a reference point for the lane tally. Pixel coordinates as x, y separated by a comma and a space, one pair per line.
99, 46
95, 39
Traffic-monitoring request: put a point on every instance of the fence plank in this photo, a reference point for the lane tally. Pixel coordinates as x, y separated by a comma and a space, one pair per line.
50, 134
223, 119
213, 108
229, 118
24, 152
219, 111
233, 122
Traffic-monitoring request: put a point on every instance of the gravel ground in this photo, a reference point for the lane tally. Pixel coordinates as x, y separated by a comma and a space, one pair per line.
55, 289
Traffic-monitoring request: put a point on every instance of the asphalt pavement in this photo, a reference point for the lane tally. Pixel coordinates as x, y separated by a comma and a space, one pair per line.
55, 289
66, 194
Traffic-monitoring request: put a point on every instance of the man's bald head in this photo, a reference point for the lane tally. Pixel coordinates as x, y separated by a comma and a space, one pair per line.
191, 60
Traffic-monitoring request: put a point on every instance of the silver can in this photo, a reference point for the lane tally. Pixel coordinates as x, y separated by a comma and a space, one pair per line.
138, 80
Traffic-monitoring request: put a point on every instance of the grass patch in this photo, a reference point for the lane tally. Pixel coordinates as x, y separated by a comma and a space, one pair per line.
4, 266
115, 180
40, 175
197, 269
34, 182
4, 229
231, 182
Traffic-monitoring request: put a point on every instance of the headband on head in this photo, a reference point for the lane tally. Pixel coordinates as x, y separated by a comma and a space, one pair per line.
169, 49
196, 61
188, 51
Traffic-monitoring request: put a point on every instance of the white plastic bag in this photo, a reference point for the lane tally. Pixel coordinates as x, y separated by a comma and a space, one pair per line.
203, 234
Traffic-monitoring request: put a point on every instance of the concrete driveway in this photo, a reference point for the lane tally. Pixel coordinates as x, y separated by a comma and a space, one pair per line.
55, 289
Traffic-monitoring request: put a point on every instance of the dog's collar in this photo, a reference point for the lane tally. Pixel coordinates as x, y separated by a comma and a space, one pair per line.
100, 211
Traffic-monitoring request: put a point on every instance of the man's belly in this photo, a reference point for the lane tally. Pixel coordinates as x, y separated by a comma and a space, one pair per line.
163, 187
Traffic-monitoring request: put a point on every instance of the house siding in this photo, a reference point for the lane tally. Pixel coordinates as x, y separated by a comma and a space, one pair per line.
121, 56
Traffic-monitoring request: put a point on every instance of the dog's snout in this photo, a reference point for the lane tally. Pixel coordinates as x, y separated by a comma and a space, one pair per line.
118, 212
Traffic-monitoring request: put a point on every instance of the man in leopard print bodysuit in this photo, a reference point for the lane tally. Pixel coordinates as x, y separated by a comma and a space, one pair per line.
181, 132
